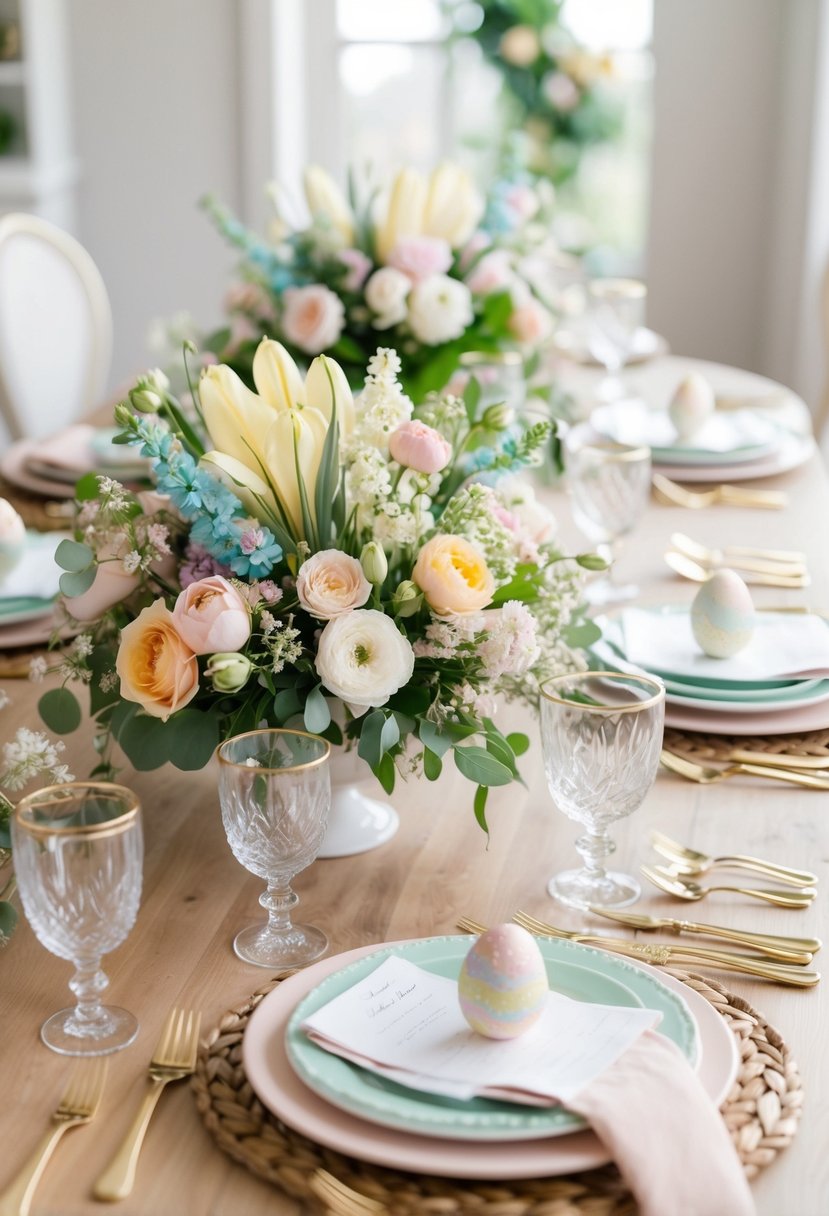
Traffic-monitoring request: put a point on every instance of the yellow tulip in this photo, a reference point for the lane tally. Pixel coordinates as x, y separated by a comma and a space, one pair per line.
404, 214
318, 390
296, 437
249, 487
325, 198
453, 205
236, 418
277, 378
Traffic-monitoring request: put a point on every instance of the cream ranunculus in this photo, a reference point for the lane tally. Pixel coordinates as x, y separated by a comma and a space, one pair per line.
330, 583
453, 576
156, 667
326, 199
440, 309
254, 433
363, 658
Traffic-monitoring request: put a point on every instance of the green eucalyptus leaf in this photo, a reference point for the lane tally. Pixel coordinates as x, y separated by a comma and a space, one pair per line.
581, 635
479, 807
518, 742
390, 734
434, 739
77, 582
74, 556
145, 742
385, 772
432, 765
476, 764
370, 747
87, 488
286, 703
192, 737
60, 710
317, 714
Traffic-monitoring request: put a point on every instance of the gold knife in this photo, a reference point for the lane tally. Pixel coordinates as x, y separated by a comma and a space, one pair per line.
787, 949
780, 760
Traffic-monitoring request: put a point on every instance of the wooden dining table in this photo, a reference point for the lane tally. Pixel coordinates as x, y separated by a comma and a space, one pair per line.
438, 867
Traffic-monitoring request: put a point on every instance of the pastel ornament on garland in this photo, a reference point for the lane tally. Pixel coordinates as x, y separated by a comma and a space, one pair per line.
722, 615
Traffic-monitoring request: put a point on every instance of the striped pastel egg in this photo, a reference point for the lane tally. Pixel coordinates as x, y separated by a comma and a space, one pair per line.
502, 987
722, 615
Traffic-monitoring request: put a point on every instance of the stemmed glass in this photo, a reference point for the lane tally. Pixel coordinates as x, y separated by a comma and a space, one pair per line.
616, 309
275, 792
609, 486
601, 734
78, 852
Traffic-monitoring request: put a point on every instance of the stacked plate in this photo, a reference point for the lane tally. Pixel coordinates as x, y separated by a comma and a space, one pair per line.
733, 445
28, 592
342, 1106
53, 465
779, 683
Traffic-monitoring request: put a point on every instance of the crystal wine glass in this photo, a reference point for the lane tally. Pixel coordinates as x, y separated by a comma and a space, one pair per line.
601, 734
609, 486
275, 791
78, 852
616, 309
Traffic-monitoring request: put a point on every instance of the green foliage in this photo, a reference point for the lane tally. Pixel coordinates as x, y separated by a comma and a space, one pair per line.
478, 765
60, 710
317, 715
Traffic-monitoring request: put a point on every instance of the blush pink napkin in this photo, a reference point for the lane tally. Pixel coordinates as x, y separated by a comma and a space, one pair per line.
666, 1136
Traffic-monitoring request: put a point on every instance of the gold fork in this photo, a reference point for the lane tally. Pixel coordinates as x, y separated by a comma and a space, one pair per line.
660, 955
341, 1200
174, 1058
684, 888
77, 1106
738, 496
691, 863
732, 554
687, 568
706, 775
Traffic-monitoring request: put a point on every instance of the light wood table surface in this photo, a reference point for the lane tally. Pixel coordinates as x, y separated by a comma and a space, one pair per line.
438, 867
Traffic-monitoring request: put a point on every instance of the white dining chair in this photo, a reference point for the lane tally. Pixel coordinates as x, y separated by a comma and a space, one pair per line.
55, 328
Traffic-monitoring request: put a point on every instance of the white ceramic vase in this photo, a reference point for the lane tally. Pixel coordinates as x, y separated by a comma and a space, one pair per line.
359, 820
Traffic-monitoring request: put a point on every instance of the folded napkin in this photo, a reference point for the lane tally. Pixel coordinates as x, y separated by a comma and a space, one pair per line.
35, 575
634, 1087
76, 450
785, 646
635, 422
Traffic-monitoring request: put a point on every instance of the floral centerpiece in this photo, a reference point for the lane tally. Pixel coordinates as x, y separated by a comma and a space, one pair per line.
304, 549
426, 264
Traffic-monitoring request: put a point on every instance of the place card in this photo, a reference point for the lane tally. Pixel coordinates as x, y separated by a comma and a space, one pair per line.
406, 1024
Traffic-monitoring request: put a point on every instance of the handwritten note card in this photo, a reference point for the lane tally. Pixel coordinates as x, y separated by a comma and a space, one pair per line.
406, 1024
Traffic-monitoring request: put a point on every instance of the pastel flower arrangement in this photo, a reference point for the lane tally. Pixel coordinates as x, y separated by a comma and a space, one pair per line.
425, 263
364, 569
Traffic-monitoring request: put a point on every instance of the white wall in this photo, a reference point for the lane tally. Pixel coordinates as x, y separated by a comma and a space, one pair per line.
156, 113
739, 230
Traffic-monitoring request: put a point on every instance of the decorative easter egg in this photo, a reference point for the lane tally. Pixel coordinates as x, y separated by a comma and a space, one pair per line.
722, 615
692, 405
12, 537
502, 987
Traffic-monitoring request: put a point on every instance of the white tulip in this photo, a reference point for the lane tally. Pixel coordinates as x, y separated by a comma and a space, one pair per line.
325, 198
453, 205
236, 419
404, 214
321, 391
277, 378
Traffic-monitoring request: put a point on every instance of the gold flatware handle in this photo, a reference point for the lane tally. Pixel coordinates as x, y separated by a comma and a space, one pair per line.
797, 977
739, 495
16, 1199
808, 780
781, 899
781, 760
801, 878
118, 1179
737, 861
637, 920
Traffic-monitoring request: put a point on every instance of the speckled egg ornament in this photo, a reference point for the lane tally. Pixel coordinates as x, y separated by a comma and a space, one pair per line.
502, 987
722, 615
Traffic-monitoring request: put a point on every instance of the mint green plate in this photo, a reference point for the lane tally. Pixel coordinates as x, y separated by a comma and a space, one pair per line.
576, 971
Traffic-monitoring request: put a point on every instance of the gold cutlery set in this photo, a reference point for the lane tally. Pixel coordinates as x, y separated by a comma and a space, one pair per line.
173, 1059
810, 772
781, 568
675, 495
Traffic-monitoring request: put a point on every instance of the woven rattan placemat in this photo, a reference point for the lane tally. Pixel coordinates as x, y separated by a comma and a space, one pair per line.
762, 1113
697, 746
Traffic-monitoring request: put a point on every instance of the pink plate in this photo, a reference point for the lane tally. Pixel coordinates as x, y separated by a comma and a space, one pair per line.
793, 451
279, 1088
14, 469
772, 722
32, 633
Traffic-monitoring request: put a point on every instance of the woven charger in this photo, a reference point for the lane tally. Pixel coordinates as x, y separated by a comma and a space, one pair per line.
694, 745
761, 1112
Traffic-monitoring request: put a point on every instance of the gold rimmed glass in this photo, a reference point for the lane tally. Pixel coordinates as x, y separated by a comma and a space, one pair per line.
609, 485
275, 793
78, 854
601, 735
616, 310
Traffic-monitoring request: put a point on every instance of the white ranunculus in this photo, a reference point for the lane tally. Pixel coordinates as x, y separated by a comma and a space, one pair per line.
363, 658
386, 293
440, 309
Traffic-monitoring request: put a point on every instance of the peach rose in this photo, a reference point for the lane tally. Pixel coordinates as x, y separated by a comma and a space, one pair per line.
453, 576
331, 583
156, 668
313, 317
211, 615
420, 447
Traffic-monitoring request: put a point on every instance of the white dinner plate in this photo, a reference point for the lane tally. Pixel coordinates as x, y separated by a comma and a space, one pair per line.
728, 437
274, 1081
794, 451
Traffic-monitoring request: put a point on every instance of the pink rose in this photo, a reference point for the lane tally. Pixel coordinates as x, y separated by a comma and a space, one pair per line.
420, 447
420, 256
330, 584
211, 615
477, 243
492, 273
531, 323
357, 265
313, 317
